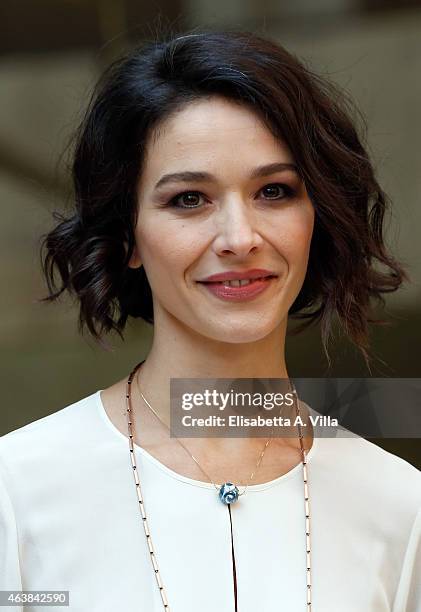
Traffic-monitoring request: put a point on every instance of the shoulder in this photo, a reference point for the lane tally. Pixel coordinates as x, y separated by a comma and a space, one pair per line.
373, 462
355, 453
40, 442
368, 465
56, 423
54, 470
370, 479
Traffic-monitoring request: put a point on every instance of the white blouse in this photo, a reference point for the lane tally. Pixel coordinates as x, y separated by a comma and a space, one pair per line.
69, 520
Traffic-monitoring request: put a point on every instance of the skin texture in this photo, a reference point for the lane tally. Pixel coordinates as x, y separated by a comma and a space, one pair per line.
238, 223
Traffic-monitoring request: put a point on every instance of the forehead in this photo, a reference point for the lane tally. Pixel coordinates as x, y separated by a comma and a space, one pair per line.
213, 128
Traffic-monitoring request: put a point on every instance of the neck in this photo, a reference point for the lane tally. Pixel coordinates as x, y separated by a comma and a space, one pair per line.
179, 352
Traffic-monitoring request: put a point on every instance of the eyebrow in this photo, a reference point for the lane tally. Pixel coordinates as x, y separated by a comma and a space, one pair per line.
259, 172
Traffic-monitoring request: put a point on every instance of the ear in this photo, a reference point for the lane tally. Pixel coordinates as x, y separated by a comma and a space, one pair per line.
135, 261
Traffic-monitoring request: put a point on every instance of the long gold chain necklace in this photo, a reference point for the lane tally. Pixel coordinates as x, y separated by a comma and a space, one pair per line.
228, 492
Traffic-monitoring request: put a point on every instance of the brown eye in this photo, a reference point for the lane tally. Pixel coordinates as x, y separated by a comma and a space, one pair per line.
188, 199
276, 191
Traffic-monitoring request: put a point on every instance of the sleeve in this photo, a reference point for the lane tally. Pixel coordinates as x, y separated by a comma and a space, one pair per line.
408, 594
10, 574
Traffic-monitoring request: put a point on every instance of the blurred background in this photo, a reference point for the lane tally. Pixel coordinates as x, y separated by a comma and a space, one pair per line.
51, 53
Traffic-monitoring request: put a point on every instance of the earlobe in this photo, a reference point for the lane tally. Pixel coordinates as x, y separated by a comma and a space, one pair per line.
134, 261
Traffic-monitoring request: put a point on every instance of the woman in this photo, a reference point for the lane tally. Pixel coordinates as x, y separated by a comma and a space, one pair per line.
214, 153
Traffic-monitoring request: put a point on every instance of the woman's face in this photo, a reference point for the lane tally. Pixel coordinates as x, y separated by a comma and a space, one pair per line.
214, 197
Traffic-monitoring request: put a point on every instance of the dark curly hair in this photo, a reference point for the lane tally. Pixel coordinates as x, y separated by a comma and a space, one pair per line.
91, 248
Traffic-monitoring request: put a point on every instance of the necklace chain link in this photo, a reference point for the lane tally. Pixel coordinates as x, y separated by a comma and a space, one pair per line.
142, 505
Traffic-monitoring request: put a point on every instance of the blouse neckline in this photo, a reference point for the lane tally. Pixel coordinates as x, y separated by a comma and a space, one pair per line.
191, 481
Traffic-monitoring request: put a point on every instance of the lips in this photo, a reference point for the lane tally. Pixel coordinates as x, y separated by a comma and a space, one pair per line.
238, 275
238, 282
223, 290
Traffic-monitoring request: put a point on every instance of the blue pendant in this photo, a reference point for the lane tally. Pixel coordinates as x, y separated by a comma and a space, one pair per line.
228, 493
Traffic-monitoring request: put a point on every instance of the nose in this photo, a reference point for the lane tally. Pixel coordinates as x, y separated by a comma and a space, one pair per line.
236, 229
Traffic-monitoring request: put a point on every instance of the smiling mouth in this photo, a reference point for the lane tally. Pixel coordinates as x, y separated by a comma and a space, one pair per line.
238, 283
238, 290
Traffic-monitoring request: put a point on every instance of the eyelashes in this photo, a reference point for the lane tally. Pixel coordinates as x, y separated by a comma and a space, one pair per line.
193, 195
190, 200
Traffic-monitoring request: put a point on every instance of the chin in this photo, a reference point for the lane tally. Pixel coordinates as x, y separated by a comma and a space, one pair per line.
240, 334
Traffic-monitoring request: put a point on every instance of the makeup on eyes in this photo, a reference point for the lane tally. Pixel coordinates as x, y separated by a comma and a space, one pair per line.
168, 191
286, 193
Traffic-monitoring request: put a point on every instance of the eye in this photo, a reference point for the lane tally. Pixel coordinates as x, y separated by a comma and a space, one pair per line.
187, 199
277, 191
195, 199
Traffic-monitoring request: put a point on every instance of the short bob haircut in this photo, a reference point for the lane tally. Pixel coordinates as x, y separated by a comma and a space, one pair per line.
91, 248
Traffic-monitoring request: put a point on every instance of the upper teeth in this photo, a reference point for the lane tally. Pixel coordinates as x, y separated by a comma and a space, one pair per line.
239, 283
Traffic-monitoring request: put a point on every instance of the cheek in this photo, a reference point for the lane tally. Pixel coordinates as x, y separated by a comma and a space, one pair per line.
164, 249
294, 235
